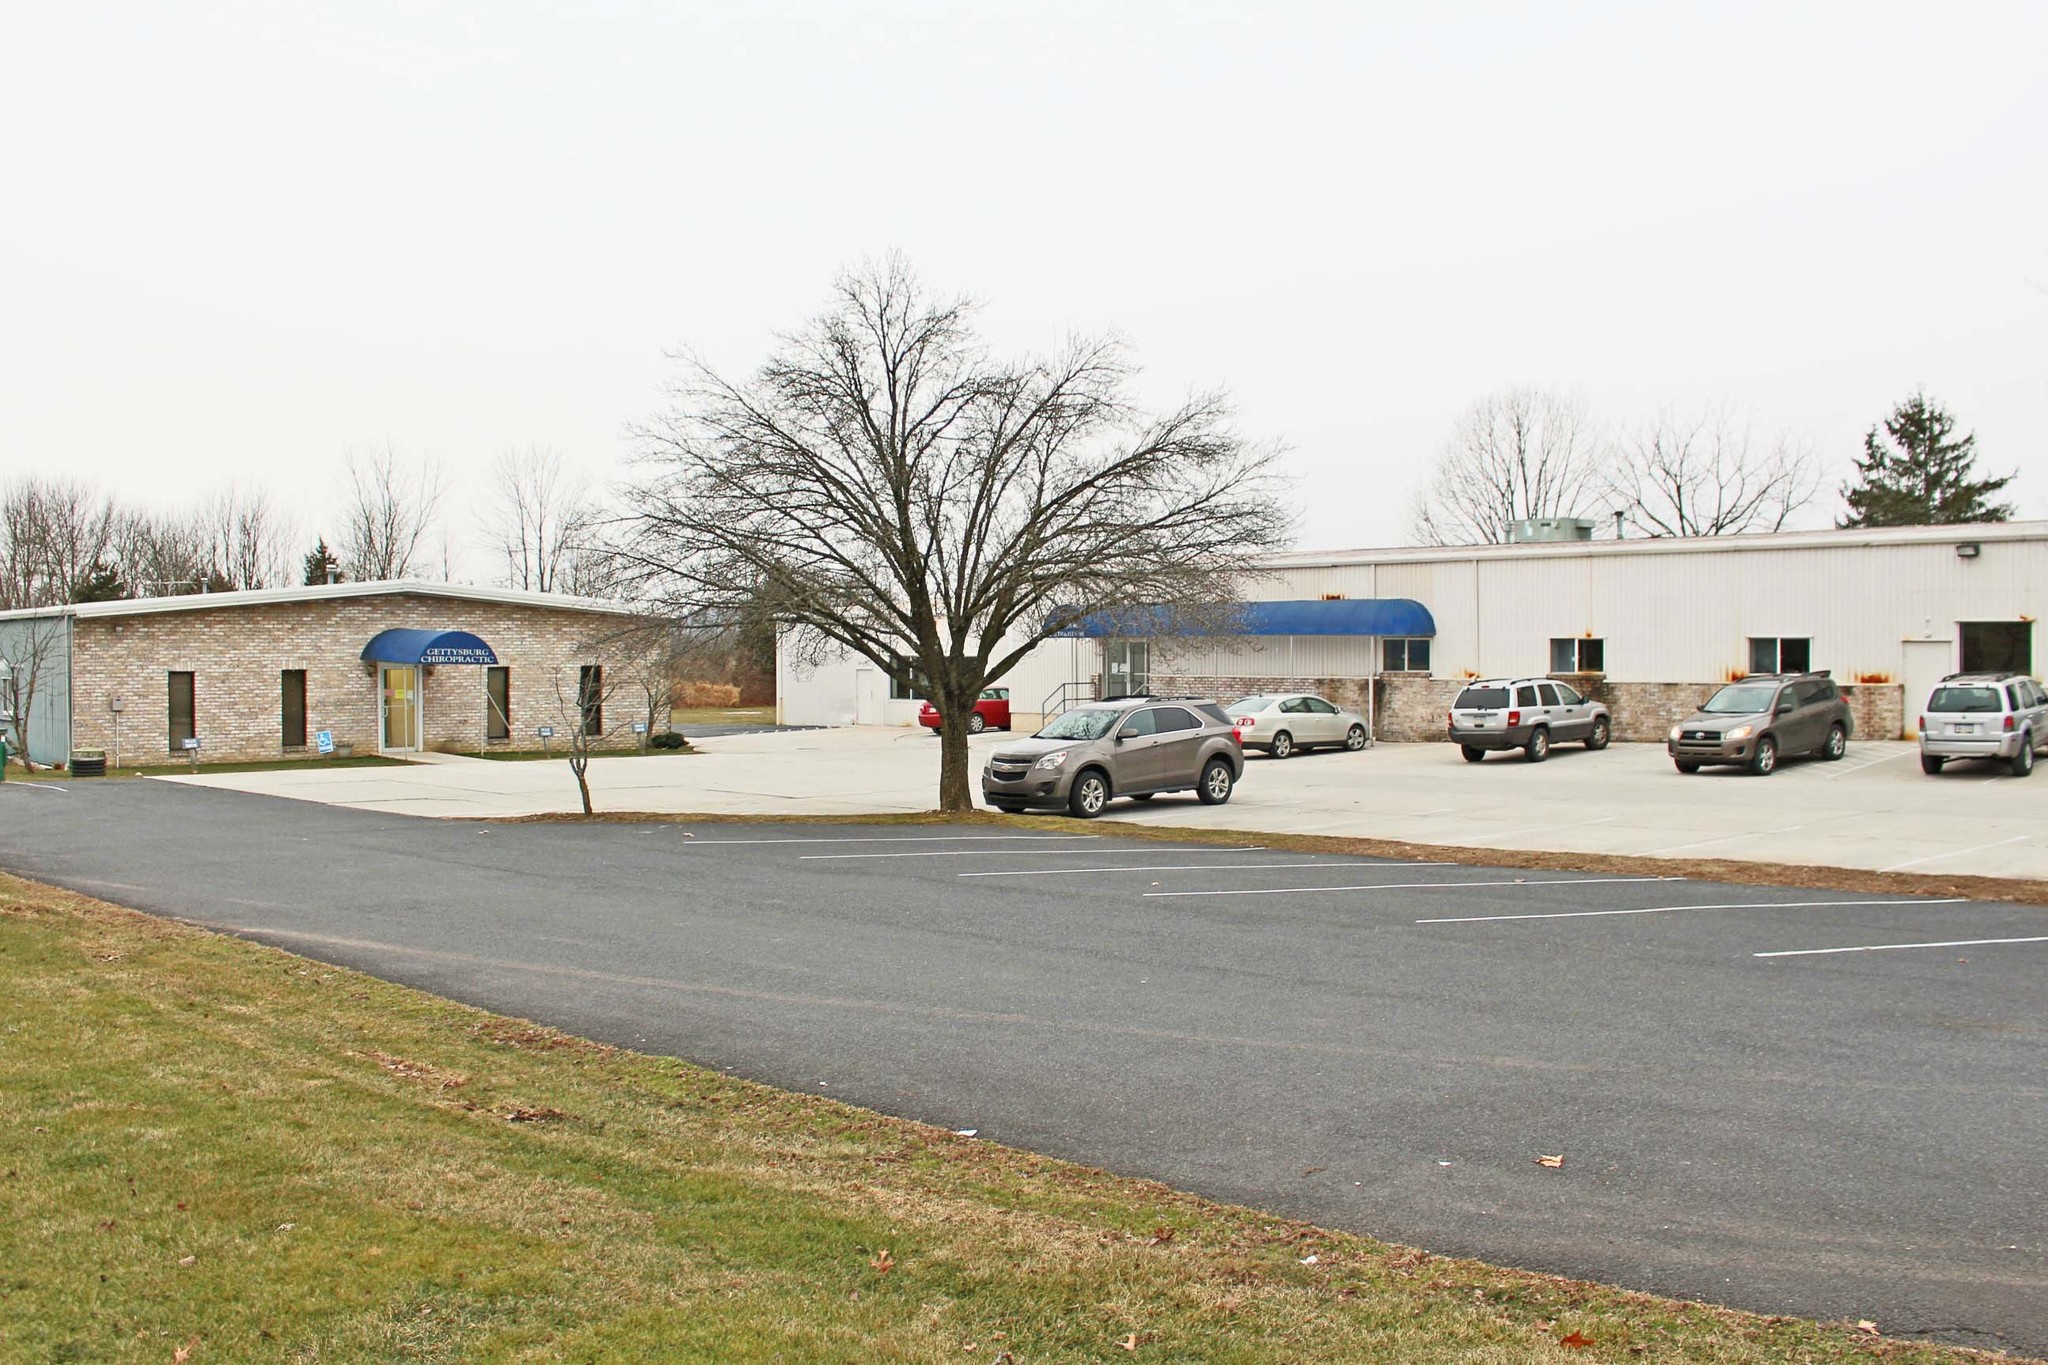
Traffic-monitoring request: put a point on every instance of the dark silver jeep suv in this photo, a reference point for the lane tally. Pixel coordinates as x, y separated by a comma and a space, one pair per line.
1134, 746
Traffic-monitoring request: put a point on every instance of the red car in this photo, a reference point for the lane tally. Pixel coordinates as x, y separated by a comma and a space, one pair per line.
992, 712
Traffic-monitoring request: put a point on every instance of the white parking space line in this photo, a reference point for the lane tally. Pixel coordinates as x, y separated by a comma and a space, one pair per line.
1035, 853
37, 787
1411, 886
1844, 769
1894, 947
909, 839
1186, 867
1956, 853
1669, 909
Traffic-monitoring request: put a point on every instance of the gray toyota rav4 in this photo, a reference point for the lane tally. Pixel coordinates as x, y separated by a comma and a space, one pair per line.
1133, 746
1752, 722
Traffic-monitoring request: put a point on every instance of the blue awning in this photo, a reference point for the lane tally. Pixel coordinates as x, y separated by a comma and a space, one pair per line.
1343, 616
428, 647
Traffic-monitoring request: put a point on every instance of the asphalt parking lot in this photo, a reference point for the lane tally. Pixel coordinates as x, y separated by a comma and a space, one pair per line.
1790, 1101
1873, 810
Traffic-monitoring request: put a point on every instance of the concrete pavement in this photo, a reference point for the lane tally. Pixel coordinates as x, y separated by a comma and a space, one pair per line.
1873, 810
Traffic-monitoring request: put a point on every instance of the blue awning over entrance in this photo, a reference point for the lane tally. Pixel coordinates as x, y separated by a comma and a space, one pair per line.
428, 647
1344, 616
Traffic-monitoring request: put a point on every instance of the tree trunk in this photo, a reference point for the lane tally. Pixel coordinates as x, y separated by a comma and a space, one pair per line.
579, 764
956, 774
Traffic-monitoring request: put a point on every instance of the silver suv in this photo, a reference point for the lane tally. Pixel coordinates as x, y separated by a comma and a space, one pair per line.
1133, 746
2000, 716
1527, 714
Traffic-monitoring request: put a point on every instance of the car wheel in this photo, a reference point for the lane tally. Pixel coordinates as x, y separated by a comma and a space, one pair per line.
975, 724
1217, 780
1837, 745
1283, 744
1144, 796
1473, 753
1009, 808
2023, 761
1685, 765
1764, 761
1930, 764
1601, 733
1089, 794
1538, 747
1354, 738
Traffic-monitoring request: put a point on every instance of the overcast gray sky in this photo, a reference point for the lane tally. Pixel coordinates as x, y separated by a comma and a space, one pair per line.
240, 239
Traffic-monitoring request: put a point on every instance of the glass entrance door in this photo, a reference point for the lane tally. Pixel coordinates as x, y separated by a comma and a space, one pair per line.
1126, 668
401, 688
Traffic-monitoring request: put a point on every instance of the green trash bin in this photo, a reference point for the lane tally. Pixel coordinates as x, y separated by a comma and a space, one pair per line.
3, 755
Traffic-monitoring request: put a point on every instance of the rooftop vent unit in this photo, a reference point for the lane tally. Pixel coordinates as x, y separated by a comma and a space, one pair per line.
1541, 530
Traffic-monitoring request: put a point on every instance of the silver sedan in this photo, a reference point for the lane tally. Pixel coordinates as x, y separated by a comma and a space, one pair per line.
1285, 723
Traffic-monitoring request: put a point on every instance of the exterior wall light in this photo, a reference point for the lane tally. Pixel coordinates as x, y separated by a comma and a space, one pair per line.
1967, 550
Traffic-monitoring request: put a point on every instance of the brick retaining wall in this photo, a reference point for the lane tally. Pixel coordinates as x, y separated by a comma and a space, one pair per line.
1412, 706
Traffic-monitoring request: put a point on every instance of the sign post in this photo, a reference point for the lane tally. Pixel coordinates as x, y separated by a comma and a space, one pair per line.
191, 748
546, 733
640, 729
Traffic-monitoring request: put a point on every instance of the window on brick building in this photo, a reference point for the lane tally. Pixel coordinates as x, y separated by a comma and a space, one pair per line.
1778, 654
293, 707
1404, 654
1578, 655
498, 687
182, 701
590, 698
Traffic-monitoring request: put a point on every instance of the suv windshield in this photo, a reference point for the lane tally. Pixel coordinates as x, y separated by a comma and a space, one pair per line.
1474, 698
1251, 704
1964, 699
1080, 724
1741, 700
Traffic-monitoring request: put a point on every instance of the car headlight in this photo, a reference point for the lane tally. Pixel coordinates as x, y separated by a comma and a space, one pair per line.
1740, 732
1056, 759
1677, 730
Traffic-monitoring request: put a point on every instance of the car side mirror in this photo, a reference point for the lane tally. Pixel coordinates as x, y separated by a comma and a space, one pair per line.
1786, 708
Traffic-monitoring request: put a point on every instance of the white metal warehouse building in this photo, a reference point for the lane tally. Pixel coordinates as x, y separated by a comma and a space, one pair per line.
1650, 625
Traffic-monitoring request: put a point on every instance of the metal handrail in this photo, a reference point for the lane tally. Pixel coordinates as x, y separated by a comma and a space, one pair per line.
1065, 695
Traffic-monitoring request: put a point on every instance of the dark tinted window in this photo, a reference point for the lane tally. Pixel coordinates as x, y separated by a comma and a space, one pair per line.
1525, 695
1807, 693
1216, 714
590, 698
181, 711
1963, 699
1174, 718
1795, 656
294, 708
1481, 698
1548, 691
2013, 695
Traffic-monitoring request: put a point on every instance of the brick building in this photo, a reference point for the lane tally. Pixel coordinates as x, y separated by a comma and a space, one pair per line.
392, 667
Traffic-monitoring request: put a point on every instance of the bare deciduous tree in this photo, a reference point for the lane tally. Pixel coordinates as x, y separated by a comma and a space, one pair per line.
631, 662
540, 521
248, 541
1513, 456
1707, 475
387, 514
53, 534
161, 556
896, 492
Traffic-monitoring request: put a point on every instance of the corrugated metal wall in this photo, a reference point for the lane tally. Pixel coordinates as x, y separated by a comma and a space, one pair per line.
49, 717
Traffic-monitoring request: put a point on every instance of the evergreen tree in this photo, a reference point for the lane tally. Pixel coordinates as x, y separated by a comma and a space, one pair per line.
1920, 475
101, 583
322, 566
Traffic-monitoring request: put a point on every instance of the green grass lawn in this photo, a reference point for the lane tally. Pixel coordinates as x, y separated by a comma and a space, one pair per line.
213, 1147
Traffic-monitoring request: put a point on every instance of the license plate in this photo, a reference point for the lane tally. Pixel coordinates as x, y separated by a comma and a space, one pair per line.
1966, 729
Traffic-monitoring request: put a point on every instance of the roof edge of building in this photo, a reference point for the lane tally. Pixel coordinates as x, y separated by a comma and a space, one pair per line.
323, 592
1833, 538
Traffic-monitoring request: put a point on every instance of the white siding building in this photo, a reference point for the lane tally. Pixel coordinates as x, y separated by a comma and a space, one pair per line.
1649, 622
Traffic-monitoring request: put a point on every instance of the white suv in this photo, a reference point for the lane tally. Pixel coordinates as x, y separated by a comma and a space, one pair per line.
1999, 716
